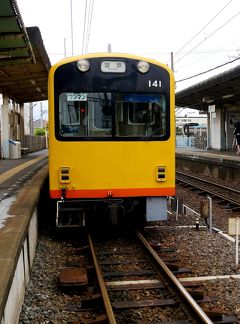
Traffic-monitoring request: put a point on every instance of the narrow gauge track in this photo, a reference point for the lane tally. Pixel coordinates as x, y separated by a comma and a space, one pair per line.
128, 287
137, 286
225, 194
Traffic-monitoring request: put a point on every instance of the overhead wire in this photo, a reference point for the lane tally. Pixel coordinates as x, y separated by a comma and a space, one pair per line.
165, 53
216, 67
208, 36
202, 28
90, 24
84, 26
87, 24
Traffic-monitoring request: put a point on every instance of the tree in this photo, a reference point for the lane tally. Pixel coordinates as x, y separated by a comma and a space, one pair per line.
39, 131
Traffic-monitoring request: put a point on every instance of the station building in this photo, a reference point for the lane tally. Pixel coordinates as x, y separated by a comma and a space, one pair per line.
219, 98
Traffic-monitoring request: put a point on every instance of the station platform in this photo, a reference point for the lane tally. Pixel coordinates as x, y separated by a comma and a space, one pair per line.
21, 181
17, 165
218, 166
13, 175
224, 158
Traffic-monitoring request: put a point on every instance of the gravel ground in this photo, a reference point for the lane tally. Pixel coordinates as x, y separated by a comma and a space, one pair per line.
44, 303
206, 254
203, 253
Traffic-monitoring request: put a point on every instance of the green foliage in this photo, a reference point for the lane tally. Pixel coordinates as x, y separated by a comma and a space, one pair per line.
39, 131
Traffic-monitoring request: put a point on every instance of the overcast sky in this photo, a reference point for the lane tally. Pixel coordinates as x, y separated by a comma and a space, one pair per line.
152, 28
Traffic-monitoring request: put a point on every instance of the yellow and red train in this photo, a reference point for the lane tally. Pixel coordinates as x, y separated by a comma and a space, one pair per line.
111, 138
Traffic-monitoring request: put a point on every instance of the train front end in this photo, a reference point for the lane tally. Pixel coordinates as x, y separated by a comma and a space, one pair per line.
111, 139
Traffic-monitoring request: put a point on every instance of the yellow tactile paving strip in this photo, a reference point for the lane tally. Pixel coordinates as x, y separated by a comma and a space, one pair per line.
8, 174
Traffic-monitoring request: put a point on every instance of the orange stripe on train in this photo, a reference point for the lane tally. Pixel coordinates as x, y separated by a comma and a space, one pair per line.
115, 193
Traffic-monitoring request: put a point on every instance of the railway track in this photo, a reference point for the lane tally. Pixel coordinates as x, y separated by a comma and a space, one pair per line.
224, 194
115, 280
132, 285
138, 287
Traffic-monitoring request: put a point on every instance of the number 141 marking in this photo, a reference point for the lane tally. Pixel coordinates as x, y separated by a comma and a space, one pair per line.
156, 83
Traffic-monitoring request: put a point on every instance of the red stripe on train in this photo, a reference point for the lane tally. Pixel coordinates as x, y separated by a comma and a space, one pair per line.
115, 193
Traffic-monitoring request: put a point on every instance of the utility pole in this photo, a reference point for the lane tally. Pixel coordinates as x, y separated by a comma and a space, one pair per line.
71, 25
41, 113
172, 62
65, 48
31, 118
31, 105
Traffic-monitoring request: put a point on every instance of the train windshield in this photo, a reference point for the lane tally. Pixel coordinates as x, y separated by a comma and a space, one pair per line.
112, 115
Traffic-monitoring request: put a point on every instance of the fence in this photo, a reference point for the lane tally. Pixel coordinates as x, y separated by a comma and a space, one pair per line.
34, 143
198, 140
184, 141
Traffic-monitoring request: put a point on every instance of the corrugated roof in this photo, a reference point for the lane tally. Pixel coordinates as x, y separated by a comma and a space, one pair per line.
223, 88
15, 46
24, 63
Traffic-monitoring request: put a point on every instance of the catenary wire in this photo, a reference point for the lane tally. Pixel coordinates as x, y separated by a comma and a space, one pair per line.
167, 53
202, 28
91, 6
208, 36
87, 24
84, 27
216, 67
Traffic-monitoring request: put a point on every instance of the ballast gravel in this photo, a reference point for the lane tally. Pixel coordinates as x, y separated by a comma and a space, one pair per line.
203, 253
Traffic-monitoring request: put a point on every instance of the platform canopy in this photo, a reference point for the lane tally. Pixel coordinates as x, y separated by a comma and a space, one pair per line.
221, 89
24, 63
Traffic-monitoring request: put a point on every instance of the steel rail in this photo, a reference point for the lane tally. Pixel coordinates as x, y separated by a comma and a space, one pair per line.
198, 312
106, 300
218, 190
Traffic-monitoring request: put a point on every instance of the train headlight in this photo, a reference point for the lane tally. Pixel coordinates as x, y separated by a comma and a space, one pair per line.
143, 66
83, 65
